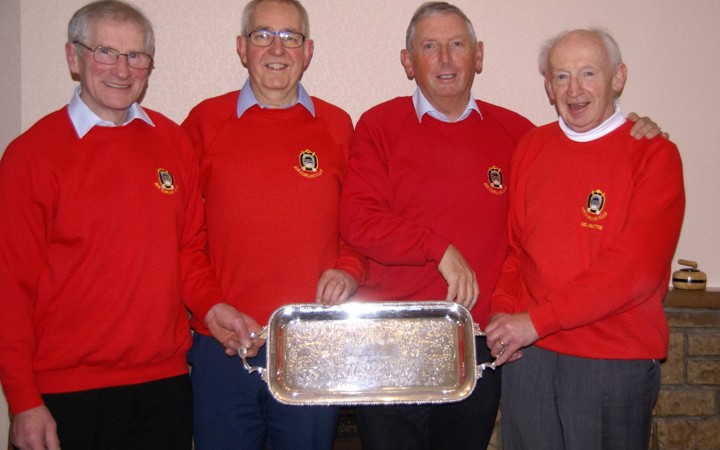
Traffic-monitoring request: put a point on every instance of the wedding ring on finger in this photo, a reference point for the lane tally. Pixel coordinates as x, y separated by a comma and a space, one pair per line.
502, 350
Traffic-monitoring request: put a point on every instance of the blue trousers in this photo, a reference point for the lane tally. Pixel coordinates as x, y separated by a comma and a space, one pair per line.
559, 402
234, 409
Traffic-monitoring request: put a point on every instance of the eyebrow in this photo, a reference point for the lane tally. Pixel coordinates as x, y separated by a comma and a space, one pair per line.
269, 28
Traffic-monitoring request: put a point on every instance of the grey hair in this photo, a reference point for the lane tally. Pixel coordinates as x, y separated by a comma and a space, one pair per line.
81, 23
434, 9
611, 48
253, 4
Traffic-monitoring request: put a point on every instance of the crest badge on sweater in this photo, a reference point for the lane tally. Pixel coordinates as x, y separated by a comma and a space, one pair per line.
165, 182
494, 182
308, 165
594, 210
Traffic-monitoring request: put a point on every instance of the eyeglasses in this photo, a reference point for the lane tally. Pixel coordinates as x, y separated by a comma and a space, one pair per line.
265, 38
108, 55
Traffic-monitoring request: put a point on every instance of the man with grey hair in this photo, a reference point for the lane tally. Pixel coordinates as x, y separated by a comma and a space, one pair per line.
103, 254
588, 265
425, 199
272, 161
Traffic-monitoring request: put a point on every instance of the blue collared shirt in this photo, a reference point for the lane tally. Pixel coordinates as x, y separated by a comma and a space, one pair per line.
247, 99
423, 106
83, 119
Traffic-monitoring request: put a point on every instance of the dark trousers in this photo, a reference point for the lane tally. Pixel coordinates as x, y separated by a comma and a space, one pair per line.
559, 402
463, 425
234, 409
150, 416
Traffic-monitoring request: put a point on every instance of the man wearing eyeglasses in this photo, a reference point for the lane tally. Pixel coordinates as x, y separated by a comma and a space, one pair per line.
272, 161
103, 251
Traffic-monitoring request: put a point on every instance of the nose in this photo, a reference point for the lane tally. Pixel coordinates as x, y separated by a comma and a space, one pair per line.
574, 86
443, 54
276, 47
121, 68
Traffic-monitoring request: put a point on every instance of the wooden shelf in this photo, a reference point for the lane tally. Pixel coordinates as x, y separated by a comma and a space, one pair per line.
686, 298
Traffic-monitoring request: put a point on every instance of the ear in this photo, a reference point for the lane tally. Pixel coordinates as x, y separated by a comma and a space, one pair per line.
480, 51
406, 61
619, 78
241, 47
72, 58
549, 91
309, 49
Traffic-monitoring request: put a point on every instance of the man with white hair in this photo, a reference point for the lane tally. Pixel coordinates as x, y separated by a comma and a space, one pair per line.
588, 265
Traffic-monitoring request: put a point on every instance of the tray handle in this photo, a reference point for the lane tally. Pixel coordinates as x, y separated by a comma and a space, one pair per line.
242, 353
486, 365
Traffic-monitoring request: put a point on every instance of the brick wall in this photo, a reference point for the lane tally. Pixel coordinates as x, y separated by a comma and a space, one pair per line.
687, 414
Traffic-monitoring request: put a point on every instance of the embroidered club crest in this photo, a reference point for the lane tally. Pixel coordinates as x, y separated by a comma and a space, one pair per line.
595, 202
308, 161
495, 177
165, 182
308, 165
494, 181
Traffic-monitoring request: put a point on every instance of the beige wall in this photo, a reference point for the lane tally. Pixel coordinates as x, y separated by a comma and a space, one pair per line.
672, 50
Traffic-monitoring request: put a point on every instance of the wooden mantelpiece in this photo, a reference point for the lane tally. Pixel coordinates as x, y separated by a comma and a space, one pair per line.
685, 298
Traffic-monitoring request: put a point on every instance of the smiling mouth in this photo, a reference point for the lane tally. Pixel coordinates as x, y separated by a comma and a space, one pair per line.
449, 76
276, 66
117, 86
577, 106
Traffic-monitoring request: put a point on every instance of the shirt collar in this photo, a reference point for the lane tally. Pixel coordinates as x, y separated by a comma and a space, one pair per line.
423, 106
247, 99
611, 124
83, 119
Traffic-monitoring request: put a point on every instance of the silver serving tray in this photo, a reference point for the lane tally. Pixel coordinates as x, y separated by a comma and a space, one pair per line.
371, 353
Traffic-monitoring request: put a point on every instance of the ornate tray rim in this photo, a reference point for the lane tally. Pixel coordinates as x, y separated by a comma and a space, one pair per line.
467, 331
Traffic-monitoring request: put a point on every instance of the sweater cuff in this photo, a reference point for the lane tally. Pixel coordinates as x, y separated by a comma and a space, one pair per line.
502, 304
353, 268
22, 398
201, 308
435, 247
544, 319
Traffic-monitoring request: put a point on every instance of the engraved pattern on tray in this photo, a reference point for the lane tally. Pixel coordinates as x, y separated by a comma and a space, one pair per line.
362, 355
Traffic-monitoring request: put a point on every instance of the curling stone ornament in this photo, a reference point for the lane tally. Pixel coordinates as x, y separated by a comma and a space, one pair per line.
690, 277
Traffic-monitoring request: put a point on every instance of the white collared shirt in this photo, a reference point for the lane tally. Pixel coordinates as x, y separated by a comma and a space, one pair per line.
423, 106
83, 119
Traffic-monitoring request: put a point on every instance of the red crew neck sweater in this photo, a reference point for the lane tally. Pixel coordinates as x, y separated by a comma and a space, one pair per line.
271, 182
413, 188
593, 282
97, 256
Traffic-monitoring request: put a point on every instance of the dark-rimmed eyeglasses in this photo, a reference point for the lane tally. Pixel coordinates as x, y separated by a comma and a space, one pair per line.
109, 56
265, 38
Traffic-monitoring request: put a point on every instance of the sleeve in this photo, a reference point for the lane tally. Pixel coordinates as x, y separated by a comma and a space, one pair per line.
506, 296
201, 290
352, 262
23, 233
349, 260
367, 220
644, 248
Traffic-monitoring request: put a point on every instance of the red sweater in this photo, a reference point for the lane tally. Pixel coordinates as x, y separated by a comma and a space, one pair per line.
97, 255
272, 219
414, 188
593, 281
